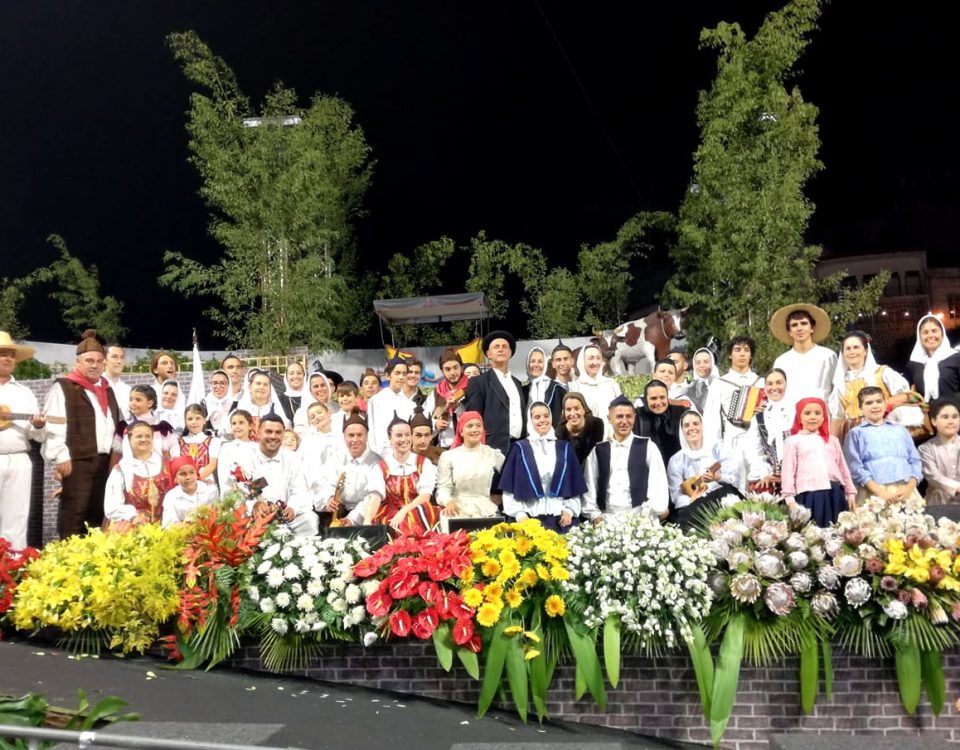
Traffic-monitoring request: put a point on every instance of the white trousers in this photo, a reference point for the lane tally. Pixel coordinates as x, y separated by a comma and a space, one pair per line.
16, 476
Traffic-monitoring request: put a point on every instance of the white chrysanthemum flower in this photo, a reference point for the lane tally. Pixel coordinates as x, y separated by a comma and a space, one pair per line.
315, 588
286, 553
896, 610
283, 599
318, 571
338, 585
270, 551
275, 578
358, 613
253, 593
369, 638
301, 626
291, 572
266, 605
305, 602
369, 586
352, 593
339, 605
263, 567
279, 625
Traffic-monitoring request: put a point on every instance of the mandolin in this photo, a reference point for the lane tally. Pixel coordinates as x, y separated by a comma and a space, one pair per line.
692, 486
7, 417
335, 518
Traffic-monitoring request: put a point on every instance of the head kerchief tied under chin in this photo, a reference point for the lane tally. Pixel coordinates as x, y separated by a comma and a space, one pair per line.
468, 416
823, 430
175, 464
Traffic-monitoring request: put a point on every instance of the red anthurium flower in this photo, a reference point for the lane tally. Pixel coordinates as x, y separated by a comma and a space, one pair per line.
429, 591
379, 603
402, 585
438, 570
400, 623
463, 631
474, 644
365, 568
425, 623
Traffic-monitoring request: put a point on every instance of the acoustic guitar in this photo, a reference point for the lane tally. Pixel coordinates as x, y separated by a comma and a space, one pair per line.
8, 417
692, 486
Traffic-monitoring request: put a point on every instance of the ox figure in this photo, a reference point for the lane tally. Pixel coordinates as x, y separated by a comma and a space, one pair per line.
638, 344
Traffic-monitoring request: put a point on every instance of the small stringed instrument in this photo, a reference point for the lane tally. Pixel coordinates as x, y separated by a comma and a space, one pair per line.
335, 519
8, 417
448, 406
693, 485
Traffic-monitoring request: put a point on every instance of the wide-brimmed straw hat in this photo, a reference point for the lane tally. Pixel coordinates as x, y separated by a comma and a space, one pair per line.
821, 321
20, 352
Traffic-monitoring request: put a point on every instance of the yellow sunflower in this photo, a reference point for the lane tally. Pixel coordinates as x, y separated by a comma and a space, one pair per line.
555, 606
488, 614
473, 597
514, 598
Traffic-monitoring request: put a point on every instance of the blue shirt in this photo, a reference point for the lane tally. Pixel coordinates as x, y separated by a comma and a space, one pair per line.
884, 453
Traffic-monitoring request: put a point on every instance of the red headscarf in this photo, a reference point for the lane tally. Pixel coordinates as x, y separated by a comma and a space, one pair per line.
461, 421
175, 464
824, 430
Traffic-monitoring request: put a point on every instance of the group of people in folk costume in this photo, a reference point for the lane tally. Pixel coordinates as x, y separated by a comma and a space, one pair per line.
565, 447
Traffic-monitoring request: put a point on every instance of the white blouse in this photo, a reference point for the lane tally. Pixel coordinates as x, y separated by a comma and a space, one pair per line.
465, 475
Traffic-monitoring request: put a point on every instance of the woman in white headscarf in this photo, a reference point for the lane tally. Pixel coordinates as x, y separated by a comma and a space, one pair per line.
763, 443
293, 387
713, 471
259, 399
318, 389
856, 369
934, 367
541, 387
705, 371
597, 389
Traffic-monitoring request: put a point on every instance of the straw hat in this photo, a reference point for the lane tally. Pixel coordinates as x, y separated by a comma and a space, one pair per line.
778, 322
20, 352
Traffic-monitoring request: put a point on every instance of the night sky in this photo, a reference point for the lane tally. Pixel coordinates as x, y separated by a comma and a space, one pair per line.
475, 119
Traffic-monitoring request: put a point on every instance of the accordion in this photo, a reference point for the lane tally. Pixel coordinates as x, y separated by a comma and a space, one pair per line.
744, 403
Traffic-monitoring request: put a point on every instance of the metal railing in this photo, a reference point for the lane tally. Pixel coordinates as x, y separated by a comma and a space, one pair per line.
91, 739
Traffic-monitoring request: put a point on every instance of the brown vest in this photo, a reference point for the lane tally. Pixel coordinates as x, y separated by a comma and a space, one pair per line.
81, 419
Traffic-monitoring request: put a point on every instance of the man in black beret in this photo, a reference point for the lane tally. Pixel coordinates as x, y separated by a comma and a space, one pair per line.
497, 395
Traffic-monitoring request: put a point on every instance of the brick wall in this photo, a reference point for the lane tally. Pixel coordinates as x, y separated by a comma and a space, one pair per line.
658, 696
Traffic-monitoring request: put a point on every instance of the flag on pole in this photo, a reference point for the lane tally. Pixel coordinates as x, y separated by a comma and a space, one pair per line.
196, 393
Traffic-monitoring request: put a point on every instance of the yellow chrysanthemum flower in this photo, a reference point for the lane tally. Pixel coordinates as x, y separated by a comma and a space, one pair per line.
490, 567
513, 630
531, 635
514, 598
524, 545
531, 654
529, 577
473, 598
559, 573
488, 614
543, 572
493, 592
555, 606
507, 557
510, 570
466, 575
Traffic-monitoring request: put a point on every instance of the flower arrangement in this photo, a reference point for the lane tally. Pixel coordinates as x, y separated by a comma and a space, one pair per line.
769, 600
896, 575
516, 586
224, 537
301, 590
122, 586
12, 563
641, 581
416, 593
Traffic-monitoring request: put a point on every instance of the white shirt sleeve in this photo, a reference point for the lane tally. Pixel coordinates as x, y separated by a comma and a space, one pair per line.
590, 508
55, 446
115, 506
658, 495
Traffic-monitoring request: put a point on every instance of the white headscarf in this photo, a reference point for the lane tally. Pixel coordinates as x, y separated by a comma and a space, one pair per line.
778, 418
538, 385
931, 363
582, 369
842, 373
714, 370
246, 399
308, 397
704, 451
288, 389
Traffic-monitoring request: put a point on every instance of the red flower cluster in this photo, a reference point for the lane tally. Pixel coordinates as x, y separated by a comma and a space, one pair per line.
11, 564
415, 587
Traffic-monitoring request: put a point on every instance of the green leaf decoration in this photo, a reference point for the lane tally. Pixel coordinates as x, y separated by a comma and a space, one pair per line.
611, 648
443, 643
827, 668
931, 666
493, 667
579, 681
539, 684
282, 653
517, 676
469, 661
726, 677
907, 659
702, 661
809, 673
584, 649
